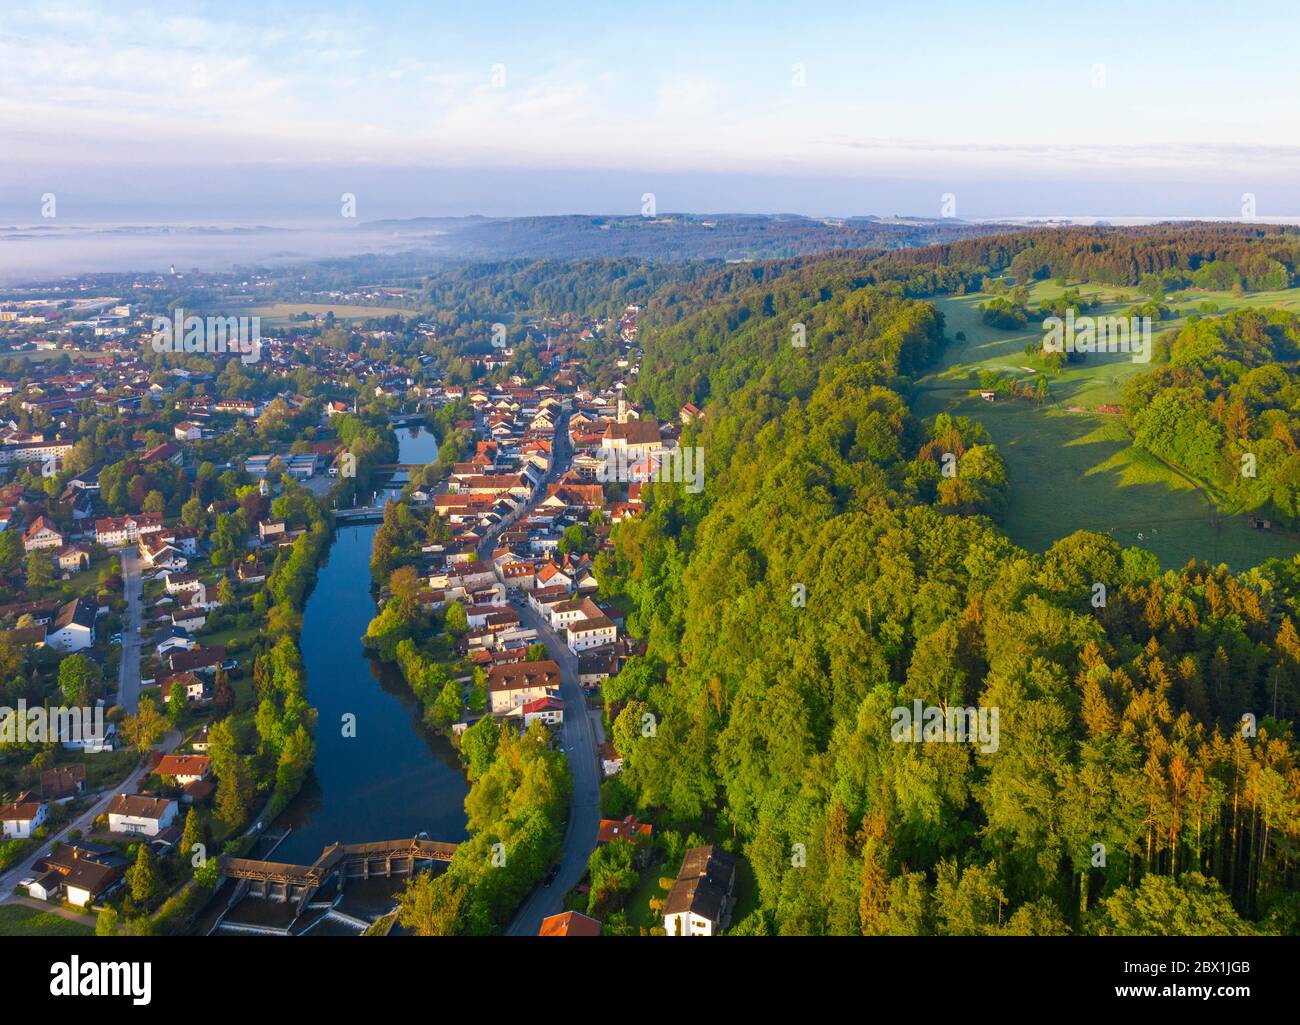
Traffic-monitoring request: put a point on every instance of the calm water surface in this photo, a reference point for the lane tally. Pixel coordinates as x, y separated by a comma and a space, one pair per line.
394, 778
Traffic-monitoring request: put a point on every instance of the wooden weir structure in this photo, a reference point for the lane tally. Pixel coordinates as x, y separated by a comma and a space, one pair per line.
297, 884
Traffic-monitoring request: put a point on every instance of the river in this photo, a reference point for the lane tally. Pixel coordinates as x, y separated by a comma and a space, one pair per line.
394, 778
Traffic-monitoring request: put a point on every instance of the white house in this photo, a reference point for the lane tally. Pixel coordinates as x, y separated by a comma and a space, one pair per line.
42, 534
135, 814
183, 768
699, 903
591, 633
189, 619
115, 531
22, 818
549, 710
73, 628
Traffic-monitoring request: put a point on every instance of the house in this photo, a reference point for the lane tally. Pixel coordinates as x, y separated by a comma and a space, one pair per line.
167, 452
611, 762
181, 583
569, 923
161, 554
251, 573
628, 829
240, 407
591, 633
88, 882
549, 710
73, 627
24, 816
139, 815
196, 660
63, 783
72, 558
623, 829
42, 534
174, 639
270, 528
89, 739
595, 666
83, 873
193, 686
511, 686
188, 431
183, 769
189, 619
518, 576
700, 901
115, 531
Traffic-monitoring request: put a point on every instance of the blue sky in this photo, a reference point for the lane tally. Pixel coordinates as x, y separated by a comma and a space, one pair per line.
272, 108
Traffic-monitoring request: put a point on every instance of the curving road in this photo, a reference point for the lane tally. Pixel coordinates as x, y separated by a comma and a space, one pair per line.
584, 812
578, 739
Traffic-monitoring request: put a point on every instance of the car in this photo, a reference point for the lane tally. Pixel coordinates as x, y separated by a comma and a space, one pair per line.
550, 876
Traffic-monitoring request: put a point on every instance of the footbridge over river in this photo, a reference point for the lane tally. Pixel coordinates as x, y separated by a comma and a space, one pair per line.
297, 884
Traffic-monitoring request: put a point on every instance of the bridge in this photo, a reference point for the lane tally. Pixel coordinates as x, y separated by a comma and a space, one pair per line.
363, 514
297, 884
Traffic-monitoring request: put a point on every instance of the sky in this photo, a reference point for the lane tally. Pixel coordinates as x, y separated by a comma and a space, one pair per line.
271, 110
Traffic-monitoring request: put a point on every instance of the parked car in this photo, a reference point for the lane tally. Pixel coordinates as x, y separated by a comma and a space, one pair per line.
550, 876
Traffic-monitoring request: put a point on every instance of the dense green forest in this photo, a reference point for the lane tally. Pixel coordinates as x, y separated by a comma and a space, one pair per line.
683, 237
832, 571
1226, 408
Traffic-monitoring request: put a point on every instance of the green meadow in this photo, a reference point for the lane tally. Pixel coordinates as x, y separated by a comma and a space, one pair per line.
278, 314
1075, 468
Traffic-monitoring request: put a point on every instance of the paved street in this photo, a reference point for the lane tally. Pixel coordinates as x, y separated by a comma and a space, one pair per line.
578, 740
584, 815
128, 675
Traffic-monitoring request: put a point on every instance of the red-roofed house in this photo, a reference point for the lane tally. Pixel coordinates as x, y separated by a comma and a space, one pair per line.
549, 710
42, 534
569, 923
183, 768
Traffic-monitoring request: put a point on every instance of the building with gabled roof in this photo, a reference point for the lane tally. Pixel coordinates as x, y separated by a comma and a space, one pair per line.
569, 923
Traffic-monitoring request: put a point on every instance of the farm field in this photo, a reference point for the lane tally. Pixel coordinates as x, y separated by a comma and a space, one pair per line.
1073, 468
278, 314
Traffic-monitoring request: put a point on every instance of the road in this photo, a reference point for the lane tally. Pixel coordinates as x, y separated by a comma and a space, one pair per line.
584, 812
128, 673
578, 739
25, 869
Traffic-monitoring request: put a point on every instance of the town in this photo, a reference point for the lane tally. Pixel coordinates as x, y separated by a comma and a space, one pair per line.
164, 511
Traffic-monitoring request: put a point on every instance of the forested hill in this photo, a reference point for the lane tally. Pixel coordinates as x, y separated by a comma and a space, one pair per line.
680, 236
829, 573
704, 323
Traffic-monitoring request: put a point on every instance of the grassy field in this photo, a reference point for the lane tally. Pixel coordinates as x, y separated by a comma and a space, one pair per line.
20, 920
1073, 468
278, 314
